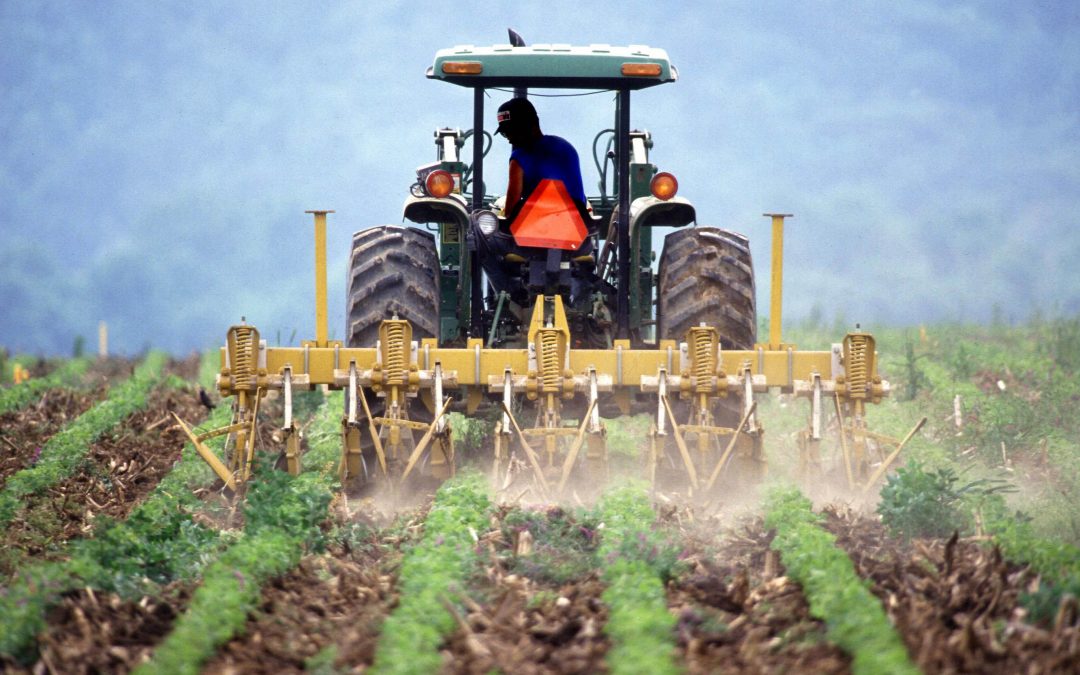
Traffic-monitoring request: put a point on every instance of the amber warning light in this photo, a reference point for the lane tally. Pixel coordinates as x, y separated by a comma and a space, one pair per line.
641, 69
439, 183
663, 186
462, 67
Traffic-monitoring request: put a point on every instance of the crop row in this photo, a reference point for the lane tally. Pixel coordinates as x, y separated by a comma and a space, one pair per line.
282, 515
1056, 562
635, 563
64, 453
157, 543
853, 616
23, 394
431, 574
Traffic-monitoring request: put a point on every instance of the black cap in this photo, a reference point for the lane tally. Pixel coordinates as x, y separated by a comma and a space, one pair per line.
516, 112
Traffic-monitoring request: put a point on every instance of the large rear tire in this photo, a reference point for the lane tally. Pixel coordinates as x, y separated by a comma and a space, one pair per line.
393, 271
707, 275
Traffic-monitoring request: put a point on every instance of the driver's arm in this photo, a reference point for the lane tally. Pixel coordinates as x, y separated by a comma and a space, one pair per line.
514, 187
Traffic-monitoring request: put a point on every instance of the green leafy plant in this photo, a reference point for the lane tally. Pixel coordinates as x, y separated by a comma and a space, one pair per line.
565, 543
432, 572
853, 616
20, 395
640, 627
64, 453
916, 502
1057, 562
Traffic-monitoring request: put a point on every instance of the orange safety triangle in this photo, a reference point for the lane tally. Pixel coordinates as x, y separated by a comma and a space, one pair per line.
549, 219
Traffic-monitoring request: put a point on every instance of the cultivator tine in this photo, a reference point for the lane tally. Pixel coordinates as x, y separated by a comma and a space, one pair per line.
216, 465
373, 431
422, 445
246, 438
892, 456
288, 428
687, 460
533, 461
579, 440
731, 445
845, 451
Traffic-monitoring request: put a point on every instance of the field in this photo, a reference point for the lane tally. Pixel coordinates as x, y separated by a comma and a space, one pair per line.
121, 553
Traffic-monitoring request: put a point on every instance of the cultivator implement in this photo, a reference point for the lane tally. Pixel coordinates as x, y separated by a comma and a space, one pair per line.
549, 396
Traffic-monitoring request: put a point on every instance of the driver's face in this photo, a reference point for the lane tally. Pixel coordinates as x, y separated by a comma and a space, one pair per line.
513, 135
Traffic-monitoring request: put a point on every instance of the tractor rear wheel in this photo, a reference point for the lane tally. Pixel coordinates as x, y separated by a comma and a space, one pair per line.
393, 271
707, 275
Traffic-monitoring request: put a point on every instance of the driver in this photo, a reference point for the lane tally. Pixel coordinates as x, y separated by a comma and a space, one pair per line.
535, 156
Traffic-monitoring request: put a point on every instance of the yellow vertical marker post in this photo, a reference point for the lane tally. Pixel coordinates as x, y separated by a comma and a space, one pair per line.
777, 291
321, 331
103, 339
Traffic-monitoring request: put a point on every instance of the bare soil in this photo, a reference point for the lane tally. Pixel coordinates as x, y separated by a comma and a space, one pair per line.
956, 602
738, 614
121, 469
23, 432
94, 632
331, 604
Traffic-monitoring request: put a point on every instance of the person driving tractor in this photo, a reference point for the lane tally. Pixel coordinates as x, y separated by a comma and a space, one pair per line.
536, 156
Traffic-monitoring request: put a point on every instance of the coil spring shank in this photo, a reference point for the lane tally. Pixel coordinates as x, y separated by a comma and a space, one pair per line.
859, 349
703, 358
243, 345
395, 355
548, 353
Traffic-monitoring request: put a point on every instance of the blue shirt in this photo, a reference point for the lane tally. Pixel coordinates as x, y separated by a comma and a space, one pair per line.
550, 157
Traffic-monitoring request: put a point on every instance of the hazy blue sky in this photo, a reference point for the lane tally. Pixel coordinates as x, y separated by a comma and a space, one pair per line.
156, 158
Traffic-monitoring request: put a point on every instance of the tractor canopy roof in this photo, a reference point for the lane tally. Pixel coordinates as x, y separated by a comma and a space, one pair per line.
554, 66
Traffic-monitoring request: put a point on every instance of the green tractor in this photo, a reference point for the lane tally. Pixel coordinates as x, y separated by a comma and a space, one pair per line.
553, 315
469, 272
465, 275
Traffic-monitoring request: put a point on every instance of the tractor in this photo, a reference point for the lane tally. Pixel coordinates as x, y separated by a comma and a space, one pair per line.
553, 318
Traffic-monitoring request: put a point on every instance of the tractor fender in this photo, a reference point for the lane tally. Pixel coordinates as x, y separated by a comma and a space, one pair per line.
449, 209
653, 212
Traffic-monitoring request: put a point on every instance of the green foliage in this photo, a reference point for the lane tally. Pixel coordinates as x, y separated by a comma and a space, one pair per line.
914, 380
1057, 562
219, 608
854, 617
65, 452
159, 542
20, 395
282, 516
278, 501
1063, 344
639, 624
920, 503
470, 433
432, 573
626, 436
565, 543
23, 604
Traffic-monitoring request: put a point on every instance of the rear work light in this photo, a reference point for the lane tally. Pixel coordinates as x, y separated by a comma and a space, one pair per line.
641, 69
663, 186
439, 183
462, 67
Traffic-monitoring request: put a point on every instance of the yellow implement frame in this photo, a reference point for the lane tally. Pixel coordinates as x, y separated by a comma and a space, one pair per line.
550, 375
